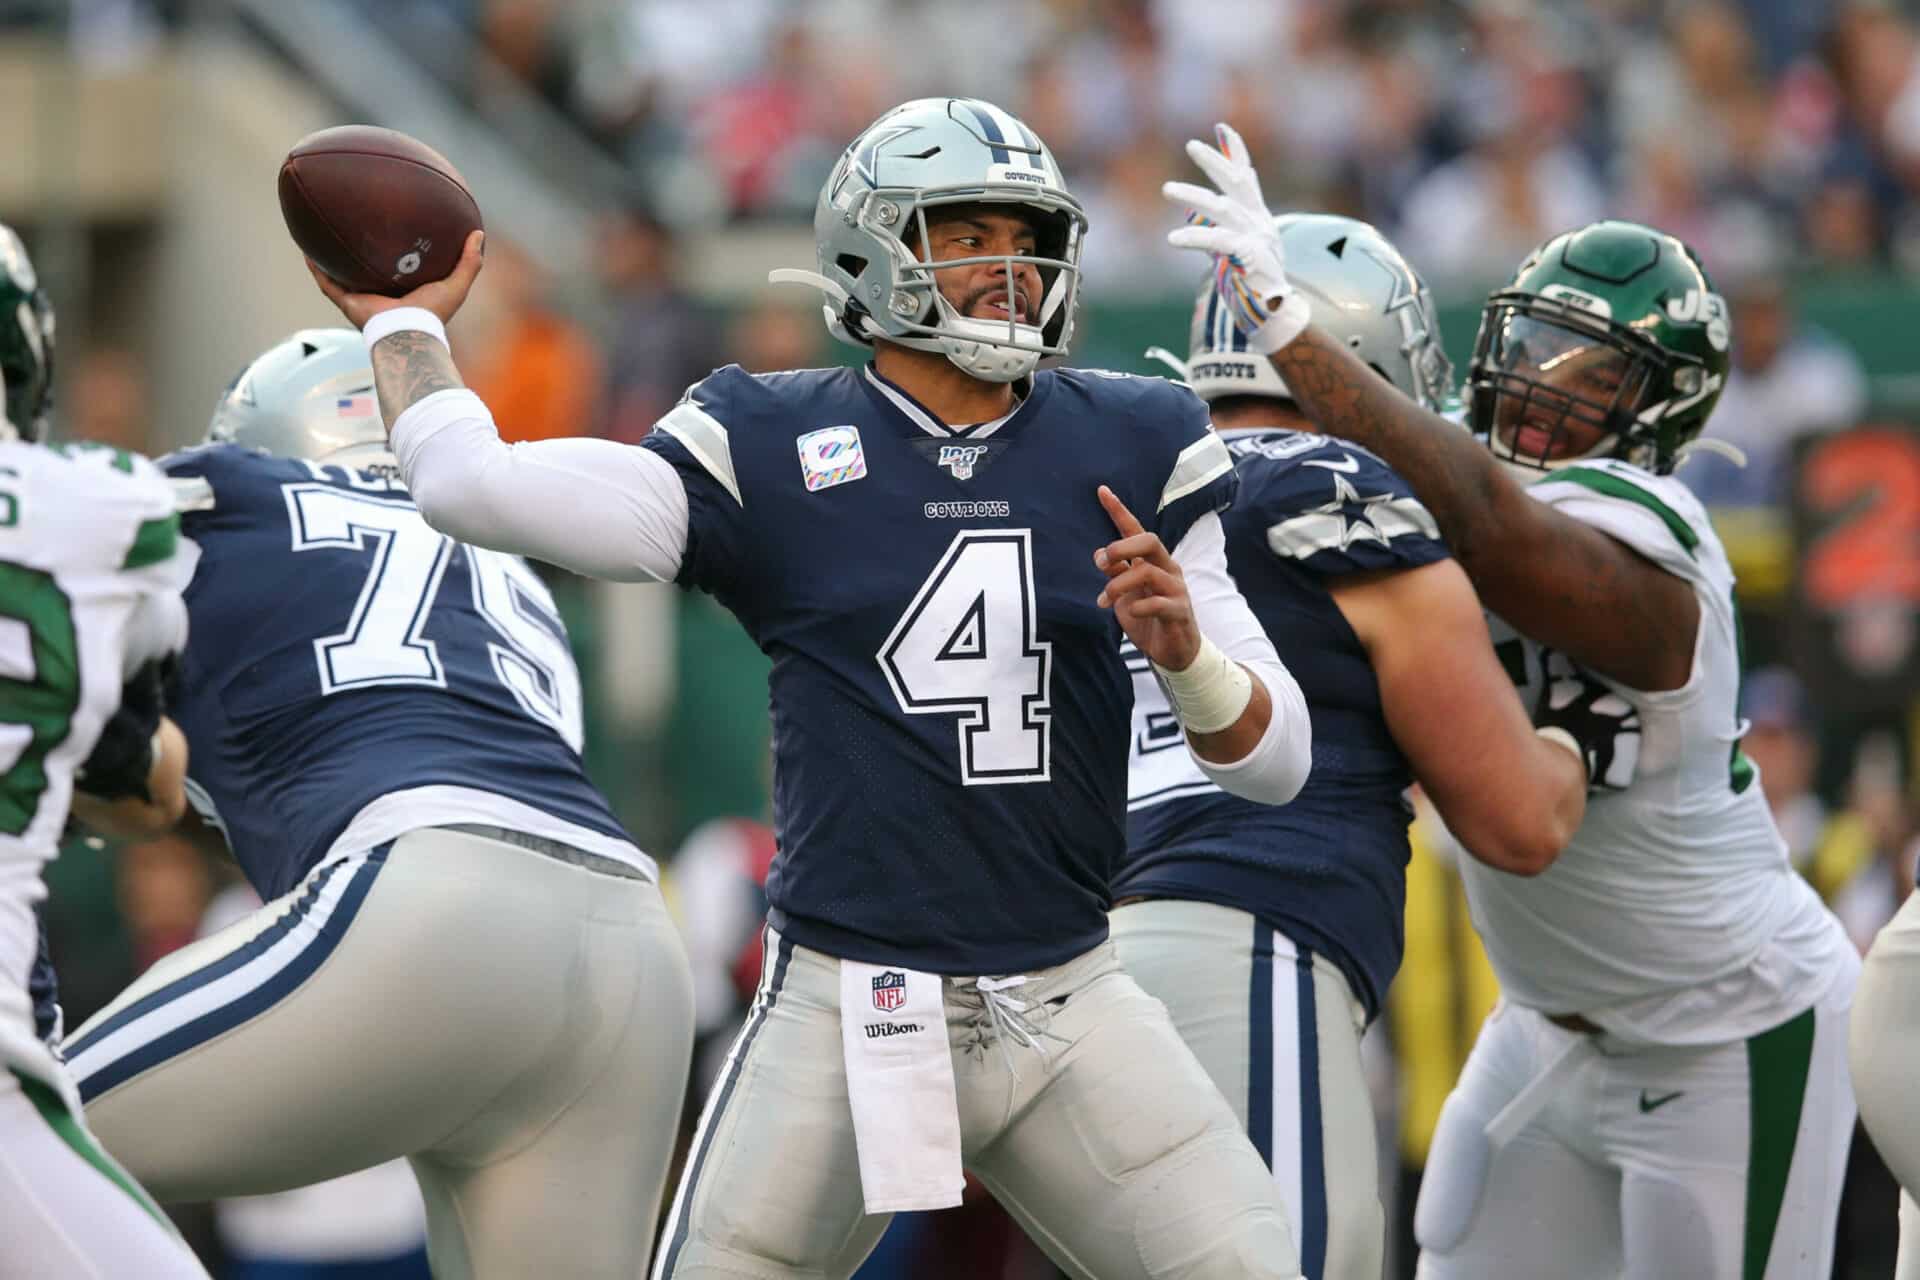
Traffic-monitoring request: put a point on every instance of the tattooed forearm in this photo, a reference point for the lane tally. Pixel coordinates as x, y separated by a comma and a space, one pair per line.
1547, 574
408, 367
1453, 476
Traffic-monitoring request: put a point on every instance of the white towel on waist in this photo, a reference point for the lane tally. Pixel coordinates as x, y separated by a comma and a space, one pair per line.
906, 1115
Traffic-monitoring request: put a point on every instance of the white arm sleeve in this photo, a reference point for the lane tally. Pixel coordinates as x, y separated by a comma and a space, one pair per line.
597, 507
1275, 770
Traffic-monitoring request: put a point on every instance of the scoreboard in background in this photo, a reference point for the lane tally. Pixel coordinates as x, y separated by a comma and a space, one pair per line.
1855, 615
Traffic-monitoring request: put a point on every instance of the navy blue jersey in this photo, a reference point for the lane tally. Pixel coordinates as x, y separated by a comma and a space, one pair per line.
1329, 868
342, 651
949, 703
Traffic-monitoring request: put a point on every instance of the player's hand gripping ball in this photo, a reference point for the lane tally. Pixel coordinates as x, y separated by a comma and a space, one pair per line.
376, 210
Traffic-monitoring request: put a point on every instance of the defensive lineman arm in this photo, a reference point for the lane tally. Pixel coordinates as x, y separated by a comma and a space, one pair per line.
1545, 573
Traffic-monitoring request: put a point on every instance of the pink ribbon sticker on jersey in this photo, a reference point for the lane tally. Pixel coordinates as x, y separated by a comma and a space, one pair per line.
831, 456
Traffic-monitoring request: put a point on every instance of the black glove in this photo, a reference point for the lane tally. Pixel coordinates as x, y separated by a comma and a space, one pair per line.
123, 757
1603, 727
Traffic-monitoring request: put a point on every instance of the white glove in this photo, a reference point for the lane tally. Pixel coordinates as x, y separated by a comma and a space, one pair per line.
1233, 225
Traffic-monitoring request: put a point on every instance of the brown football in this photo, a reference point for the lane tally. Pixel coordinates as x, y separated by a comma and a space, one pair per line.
378, 211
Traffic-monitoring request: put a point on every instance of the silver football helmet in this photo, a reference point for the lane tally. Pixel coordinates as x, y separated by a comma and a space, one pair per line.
919, 156
310, 397
1362, 293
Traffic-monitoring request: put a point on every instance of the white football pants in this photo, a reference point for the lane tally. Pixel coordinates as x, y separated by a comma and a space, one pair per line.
1111, 1148
518, 1026
1278, 1032
1884, 1050
66, 1209
1721, 1162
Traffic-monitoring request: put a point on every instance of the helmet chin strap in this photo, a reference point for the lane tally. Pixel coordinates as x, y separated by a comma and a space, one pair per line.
979, 347
976, 347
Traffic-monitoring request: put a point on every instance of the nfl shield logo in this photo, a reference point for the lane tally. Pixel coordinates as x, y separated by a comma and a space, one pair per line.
889, 990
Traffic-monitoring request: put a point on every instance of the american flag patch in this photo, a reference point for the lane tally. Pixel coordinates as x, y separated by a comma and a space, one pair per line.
354, 406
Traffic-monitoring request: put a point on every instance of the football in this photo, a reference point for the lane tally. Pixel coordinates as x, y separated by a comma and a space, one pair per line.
377, 210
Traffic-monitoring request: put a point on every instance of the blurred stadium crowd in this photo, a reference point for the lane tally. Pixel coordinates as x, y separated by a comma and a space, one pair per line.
1782, 137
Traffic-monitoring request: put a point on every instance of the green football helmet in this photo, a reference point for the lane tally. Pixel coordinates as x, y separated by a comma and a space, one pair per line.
26, 344
1613, 328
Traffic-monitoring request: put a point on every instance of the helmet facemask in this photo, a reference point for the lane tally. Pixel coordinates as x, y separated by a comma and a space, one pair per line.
26, 345
1552, 386
926, 320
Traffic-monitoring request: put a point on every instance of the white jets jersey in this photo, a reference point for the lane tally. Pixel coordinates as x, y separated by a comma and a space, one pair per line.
1674, 915
89, 591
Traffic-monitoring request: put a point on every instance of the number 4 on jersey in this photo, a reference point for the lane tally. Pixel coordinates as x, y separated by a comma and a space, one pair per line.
969, 646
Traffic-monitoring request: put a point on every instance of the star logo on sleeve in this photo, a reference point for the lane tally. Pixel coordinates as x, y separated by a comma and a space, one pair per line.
1350, 518
1355, 514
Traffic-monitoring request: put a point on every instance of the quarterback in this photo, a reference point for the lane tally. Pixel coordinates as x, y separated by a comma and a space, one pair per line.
91, 567
1663, 1091
941, 553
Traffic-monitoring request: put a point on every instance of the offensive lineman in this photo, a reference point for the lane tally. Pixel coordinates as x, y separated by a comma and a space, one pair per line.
1271, 934
927, 550
90, 615
1663, 1090
462, 959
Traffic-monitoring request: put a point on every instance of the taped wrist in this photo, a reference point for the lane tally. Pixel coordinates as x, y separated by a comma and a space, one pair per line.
1561, 738
1288, 321
1211, 694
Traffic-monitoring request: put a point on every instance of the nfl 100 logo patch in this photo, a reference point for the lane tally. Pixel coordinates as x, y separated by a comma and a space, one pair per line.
960, 458
889, 990
831, 456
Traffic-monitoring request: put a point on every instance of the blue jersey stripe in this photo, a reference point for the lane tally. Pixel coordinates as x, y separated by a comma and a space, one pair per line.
275, 987
1260, 1043
1313, 1162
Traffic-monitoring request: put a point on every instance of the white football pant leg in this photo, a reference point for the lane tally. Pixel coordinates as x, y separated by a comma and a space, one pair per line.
1884, 1053
771, 1187
517, 1025
1534, 1207
1111, 1147
1279, 1036
1126, 1163
66, 1209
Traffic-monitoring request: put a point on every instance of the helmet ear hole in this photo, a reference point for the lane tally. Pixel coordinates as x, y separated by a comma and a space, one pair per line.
851, 263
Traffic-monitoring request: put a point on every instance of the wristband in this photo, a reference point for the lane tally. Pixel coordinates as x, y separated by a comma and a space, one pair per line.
1211, 693
403, 320
1286, 323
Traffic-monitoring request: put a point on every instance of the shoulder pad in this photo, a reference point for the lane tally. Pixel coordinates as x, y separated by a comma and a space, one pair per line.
106, 474
1140, 388
1609, 481
1336, 508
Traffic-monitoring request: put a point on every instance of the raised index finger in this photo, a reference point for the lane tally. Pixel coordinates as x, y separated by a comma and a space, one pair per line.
1117, 512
